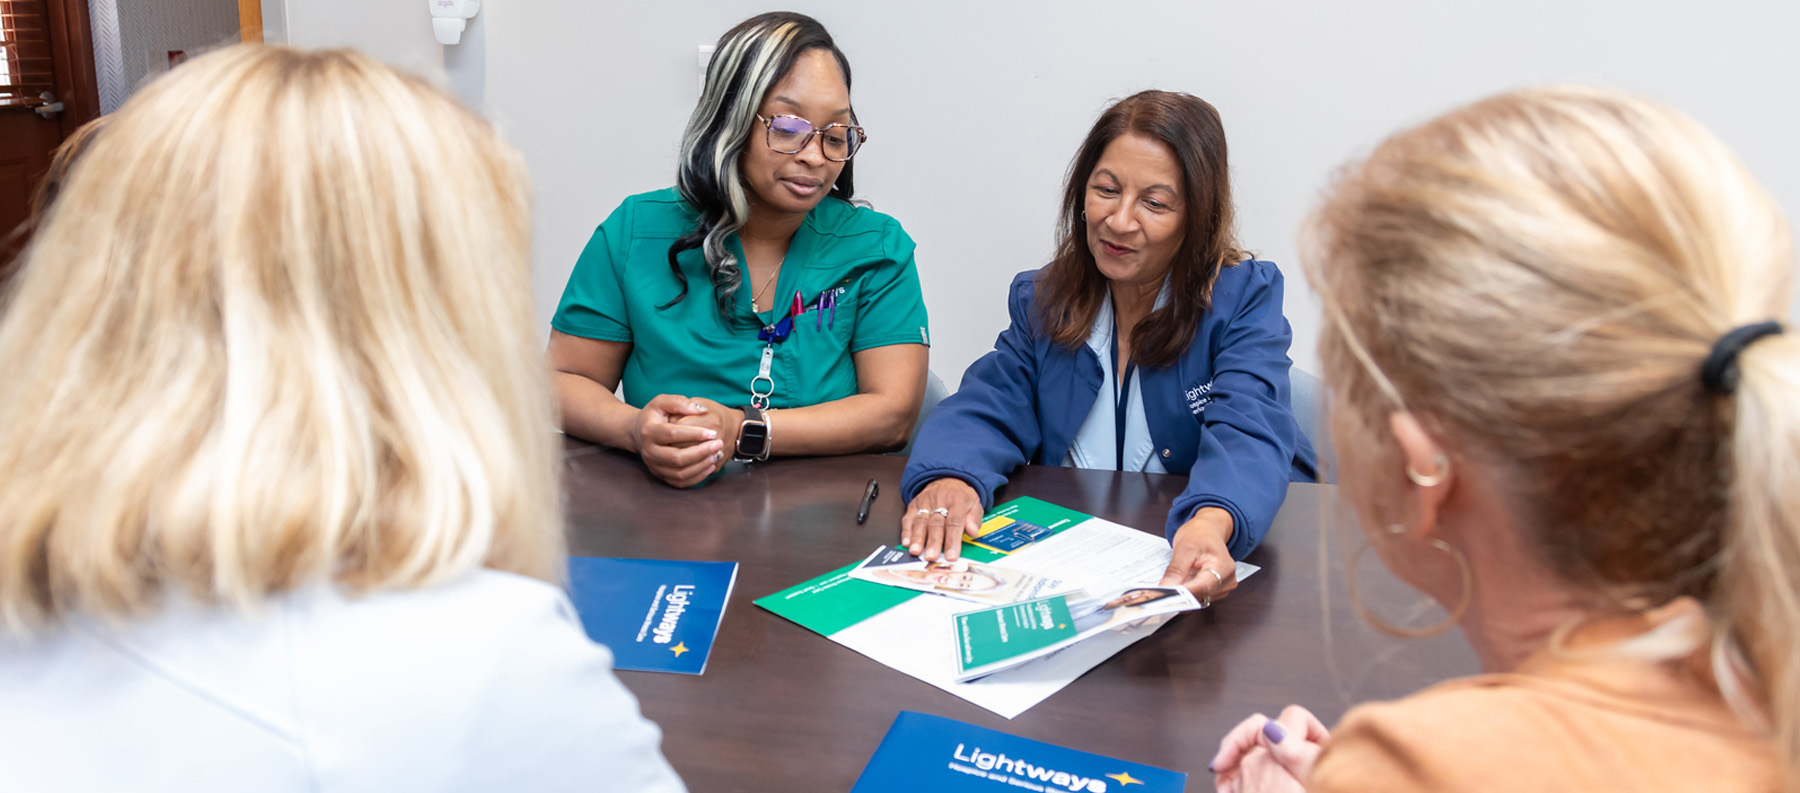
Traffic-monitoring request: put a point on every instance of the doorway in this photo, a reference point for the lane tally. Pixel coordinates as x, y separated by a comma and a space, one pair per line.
47, 91
65, 62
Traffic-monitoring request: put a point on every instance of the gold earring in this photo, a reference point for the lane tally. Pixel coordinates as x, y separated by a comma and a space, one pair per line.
1380, 624
1434, 478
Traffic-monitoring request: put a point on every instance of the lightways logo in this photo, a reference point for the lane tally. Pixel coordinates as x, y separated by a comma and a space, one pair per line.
677, 605
1017, 772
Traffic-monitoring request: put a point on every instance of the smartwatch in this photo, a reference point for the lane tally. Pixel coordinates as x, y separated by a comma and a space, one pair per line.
753, 436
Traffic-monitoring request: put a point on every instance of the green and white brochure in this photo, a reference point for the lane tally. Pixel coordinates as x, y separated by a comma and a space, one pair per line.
907, 630
994, 638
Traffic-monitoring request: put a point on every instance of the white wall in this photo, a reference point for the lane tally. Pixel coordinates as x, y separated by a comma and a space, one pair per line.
394, 31
274, 20
974, 109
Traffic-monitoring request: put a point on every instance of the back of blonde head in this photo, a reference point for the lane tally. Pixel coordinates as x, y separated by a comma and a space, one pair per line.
1540, 276
277, 330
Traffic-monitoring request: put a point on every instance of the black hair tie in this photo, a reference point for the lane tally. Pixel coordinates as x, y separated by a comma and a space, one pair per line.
1720, 372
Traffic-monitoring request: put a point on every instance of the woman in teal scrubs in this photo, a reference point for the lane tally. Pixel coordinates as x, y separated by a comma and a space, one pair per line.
752, 309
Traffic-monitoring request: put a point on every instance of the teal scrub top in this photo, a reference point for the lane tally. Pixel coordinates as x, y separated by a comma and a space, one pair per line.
862, 256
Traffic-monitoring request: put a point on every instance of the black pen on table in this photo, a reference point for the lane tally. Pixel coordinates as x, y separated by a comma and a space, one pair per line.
869, 493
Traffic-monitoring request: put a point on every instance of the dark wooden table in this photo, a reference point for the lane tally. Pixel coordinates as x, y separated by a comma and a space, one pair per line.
782, 708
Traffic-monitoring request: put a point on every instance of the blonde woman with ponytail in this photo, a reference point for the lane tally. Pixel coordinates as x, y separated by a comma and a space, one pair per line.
1567, 413
278, 503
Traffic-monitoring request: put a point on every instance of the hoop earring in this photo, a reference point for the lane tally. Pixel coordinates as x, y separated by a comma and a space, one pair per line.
1380, 624
1434, 478
1084, 214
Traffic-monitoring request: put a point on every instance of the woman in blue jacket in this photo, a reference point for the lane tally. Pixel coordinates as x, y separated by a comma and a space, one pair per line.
1150, 343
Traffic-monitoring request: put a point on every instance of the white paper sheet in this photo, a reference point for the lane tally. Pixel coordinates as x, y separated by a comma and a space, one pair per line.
915, 637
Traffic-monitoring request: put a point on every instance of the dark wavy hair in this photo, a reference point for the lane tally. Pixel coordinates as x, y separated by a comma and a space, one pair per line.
747, 61
1071, 288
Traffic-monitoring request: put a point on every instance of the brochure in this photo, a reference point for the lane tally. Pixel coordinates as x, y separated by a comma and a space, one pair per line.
963, 579
1021, 522
1129, 606
925, 752
990, 640
655, 615
993, 639
904, 629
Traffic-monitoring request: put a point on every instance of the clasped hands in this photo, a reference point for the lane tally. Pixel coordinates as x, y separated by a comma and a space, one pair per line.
684, 440
1264, 755
947, 509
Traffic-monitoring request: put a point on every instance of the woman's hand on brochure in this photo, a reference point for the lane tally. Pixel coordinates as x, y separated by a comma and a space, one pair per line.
1264, 755
943, 510
1202, 563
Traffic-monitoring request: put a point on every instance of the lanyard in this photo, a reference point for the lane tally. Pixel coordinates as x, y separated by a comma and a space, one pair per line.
1121, 399
762, 386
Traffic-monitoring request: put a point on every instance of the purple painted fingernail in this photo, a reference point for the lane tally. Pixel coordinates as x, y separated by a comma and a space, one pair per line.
1210, 769
1274, 732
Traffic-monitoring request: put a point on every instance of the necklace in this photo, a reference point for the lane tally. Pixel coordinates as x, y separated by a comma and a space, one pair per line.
757, 298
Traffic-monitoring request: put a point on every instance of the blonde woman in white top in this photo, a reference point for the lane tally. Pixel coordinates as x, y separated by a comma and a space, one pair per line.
278, 491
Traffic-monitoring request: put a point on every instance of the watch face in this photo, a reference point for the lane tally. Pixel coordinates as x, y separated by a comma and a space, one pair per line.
751, 439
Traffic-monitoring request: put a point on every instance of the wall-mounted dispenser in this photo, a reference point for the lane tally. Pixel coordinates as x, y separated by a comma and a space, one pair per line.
449, 17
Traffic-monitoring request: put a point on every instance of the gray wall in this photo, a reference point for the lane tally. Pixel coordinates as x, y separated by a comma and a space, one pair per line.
974, 109
132, 39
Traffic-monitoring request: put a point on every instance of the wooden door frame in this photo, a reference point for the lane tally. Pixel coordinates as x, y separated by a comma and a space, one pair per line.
250, 24
72, 51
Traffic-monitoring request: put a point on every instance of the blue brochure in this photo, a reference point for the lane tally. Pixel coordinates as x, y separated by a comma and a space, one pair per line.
1011, 536
655, 615
925, 752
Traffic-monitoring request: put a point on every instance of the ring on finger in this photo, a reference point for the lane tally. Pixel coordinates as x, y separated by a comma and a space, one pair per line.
923, 511
1215, 574
941, 511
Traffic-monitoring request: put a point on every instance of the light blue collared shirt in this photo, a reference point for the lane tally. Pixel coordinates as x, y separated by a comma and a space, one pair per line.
1096, 444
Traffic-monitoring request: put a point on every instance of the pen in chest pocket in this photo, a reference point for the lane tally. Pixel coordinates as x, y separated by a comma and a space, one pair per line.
827, 300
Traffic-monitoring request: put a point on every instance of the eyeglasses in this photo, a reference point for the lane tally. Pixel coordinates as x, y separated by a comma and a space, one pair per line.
792, 134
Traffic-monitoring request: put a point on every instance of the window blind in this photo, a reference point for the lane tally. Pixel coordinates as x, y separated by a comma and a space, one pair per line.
24, 52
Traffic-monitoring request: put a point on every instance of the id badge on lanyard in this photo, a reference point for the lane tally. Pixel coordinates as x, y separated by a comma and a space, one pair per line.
762, 386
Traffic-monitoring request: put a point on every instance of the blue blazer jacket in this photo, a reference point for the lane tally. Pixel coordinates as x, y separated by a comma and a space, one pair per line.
1219, 414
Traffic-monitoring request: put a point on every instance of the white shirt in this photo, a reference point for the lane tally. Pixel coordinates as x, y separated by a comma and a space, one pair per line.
486, 683
1096, 443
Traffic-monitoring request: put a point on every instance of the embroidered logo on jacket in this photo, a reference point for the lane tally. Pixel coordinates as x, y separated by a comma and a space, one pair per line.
1199, 397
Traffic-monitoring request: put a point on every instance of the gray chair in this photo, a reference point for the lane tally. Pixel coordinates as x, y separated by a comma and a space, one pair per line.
935, 391
1307, 397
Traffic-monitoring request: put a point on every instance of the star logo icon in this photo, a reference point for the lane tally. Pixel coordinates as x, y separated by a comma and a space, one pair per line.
679, 649
1125, 778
